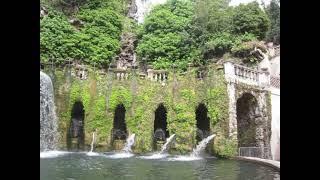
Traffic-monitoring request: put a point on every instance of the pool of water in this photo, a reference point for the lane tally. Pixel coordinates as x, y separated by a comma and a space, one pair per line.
103, 166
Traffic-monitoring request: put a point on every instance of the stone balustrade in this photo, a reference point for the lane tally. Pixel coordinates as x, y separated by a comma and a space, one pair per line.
241, 74
121, 74
157, 75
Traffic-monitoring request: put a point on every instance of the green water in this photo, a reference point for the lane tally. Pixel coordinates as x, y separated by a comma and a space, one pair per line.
77, 166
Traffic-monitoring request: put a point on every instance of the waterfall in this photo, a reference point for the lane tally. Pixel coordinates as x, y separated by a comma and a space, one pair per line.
129, 143
48, 119
164, 147
93, 140
143, 7
91, 153
202, 145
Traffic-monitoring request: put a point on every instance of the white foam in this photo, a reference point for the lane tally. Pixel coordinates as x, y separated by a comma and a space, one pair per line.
120, 155
93, 154
184, 158
154, 156
53, 154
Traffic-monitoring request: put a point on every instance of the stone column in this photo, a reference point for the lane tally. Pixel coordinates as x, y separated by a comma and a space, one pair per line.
264, 79
150, 74
230, 77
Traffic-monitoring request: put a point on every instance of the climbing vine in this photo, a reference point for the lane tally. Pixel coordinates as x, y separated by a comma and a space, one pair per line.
180, 98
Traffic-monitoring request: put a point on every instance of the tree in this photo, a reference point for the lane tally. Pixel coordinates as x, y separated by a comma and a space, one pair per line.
165, 38
96, 41
251, 19
273, 11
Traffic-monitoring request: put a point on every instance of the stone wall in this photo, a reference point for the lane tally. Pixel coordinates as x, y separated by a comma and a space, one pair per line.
100, 93
262, 119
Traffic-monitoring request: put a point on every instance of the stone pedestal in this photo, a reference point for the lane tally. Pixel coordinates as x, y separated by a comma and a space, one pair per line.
118, 145
159, 145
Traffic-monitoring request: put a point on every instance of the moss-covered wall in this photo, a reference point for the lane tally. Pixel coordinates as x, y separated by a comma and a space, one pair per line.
181, 95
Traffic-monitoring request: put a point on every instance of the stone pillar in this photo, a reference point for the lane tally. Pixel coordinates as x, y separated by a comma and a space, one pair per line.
159, 145
230, 77
229, 71
150, 74
232, 110
122, 76
156, 77
264, 79
118, 145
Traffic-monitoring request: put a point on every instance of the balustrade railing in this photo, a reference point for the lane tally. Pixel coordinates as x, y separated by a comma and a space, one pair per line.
237, 73
121, 74
157, 75
246, 73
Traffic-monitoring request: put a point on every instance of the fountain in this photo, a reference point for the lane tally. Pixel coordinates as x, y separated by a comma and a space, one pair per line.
126, 151
91, 153
195, 155
202, 145
48, 119
162, 153
129, 143
164, 147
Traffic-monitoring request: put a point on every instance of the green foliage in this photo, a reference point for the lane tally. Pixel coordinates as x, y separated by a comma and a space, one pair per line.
116, 5
56, 38
273, 11
140, 107
96, 43
165, 39
120, 95
219, 44
100, 41
251, 19
244, 50
225, 147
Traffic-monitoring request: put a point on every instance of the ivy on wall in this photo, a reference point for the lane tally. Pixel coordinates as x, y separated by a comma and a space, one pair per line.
180, 98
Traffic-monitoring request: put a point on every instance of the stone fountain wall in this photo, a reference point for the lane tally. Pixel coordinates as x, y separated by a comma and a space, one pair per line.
101, 92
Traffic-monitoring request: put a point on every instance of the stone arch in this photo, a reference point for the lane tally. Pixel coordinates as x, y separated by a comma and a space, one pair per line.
202, 122
247, 111
75, 134
160, 130
119, 130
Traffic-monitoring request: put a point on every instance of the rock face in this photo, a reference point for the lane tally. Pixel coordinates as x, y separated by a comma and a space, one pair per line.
127, 58
43, 12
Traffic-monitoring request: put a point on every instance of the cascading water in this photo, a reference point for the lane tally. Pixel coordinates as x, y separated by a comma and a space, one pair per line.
48, 119
93, 140
143, 7
165, 146
126, 151
162, 153
129, 143
91, 153
195, 155
202, 145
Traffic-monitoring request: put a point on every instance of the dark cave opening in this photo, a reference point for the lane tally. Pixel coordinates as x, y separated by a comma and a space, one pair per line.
119, 123
203, 122
246, 115
160, 124
76, 128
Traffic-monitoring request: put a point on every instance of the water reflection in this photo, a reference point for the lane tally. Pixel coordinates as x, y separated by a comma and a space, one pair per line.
81, 167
